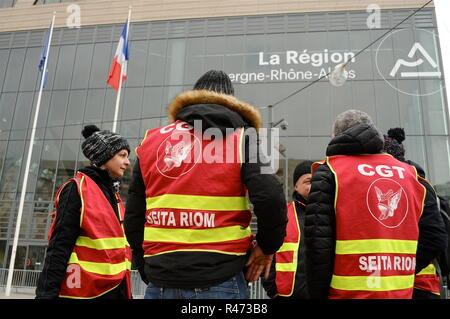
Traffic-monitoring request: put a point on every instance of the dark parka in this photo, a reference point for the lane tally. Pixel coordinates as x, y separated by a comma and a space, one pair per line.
200, 269
320, 223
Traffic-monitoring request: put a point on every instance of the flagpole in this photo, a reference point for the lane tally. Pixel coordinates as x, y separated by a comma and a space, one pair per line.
116, 110
27, 166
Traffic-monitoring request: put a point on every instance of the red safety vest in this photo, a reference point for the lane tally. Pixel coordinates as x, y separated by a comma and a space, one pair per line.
286, 257
376, 226
101, 258
428, 279
196, 200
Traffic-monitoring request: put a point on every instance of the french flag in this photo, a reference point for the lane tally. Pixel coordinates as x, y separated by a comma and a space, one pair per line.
119, 64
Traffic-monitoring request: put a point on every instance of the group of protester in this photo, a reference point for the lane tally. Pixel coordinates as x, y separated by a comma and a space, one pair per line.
361, 224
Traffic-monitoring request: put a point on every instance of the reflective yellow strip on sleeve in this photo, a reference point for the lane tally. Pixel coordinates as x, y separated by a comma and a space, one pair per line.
103, 243
373, 246
100, 268
193, 202
429, 270
196, 236
372, 283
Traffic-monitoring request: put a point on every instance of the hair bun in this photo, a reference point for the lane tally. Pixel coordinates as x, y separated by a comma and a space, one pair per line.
397, 134
89, 130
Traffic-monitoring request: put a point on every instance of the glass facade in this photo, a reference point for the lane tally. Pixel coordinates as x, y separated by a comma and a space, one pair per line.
7, 3
267, 57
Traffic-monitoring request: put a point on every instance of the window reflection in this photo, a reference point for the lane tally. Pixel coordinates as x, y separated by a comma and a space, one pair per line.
14, 70
11, 169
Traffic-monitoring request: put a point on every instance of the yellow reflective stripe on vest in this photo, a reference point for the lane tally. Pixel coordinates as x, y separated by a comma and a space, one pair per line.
100, 268
367, 246
196, 250
372, 283
241, 155
196, 236
288, 247
103, 243
286, 266
195, 202
82, 200
429, 270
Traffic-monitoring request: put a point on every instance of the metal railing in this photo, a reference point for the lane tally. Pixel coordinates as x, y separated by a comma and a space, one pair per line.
21, 278
27, 279
256, 290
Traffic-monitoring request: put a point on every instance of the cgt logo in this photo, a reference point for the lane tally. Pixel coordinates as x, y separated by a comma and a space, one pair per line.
387, 202
178, 154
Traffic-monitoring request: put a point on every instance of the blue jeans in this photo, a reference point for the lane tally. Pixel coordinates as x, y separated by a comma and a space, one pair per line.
234, 288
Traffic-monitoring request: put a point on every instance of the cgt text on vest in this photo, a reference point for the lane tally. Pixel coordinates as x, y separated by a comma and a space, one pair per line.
381, 170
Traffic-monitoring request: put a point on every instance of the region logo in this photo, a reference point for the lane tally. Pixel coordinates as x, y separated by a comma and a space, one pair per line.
418, 62
417, 47
387, 202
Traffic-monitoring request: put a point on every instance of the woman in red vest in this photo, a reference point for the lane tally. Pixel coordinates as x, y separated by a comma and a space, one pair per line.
287, 277
88, 255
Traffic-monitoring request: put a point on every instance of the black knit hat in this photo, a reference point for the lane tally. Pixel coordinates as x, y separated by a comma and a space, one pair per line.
393, 143
214, 80
302, 169
101, 146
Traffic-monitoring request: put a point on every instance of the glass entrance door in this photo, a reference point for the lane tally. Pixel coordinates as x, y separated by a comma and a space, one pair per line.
35, 257
21, 255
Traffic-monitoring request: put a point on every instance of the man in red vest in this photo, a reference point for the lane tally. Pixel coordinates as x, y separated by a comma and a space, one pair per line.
287, 277
188, 217
88, 255
371, 223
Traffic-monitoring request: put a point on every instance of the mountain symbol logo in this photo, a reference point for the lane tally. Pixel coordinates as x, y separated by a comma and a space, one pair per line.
401, 62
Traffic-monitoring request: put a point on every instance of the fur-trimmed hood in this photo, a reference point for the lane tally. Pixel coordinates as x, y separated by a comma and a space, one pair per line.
249, 113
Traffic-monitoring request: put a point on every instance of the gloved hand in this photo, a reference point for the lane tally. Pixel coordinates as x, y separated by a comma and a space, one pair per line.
139, 262
143, 276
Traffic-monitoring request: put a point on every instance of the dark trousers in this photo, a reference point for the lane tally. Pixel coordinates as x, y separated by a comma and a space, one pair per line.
422, 294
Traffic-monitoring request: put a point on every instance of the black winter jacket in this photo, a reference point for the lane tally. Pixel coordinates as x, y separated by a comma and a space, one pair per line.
200, 269
321, 221
300, 289
67, 229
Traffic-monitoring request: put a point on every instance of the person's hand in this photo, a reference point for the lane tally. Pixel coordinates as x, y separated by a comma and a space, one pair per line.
143, 275
258, 263
139, 262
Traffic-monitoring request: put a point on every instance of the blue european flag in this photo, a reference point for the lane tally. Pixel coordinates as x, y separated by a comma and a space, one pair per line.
44, 56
